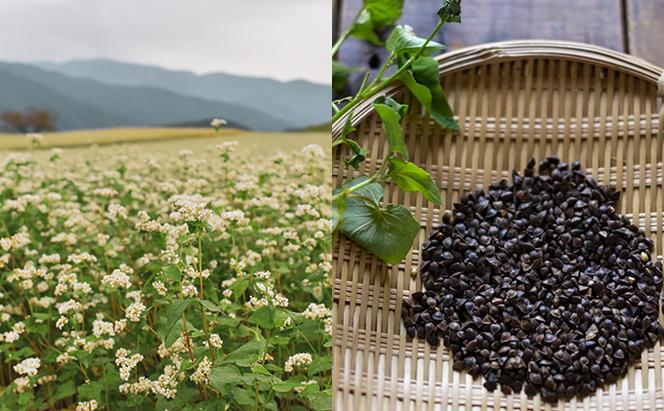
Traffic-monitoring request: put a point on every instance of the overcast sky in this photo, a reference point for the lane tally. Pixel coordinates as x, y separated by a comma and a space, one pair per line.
284, 39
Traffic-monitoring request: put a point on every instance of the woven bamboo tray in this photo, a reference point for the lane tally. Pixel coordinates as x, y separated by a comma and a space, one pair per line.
515, 100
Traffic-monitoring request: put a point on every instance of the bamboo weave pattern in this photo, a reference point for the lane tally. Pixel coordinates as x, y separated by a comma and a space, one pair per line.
514, 100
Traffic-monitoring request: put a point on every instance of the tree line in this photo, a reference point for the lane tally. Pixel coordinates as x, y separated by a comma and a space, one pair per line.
30, 120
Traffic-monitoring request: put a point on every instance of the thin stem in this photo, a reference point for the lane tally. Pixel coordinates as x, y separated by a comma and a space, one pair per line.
346, 34
201, 389
380, 86
364, 81
383, 69
307, 341
377, 176
203, 314
200, 263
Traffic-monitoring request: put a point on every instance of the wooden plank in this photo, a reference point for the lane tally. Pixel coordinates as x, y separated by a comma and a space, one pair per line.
589, 21
595, 22
336, 7
419, 14
645, 23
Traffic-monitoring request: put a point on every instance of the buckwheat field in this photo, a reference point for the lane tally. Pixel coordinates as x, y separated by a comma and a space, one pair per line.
186, 275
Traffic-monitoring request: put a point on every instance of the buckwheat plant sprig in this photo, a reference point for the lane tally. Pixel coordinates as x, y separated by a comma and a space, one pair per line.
174, 279
388, 231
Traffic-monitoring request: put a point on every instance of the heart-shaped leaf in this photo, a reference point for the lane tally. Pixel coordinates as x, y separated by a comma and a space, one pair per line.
410, 177
173, 314
364, 29
391, 113
403, 40
387, 232
384, 13
422, 79
376, 15
224, 375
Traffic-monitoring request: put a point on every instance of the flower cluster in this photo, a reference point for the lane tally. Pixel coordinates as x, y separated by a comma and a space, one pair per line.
166, 277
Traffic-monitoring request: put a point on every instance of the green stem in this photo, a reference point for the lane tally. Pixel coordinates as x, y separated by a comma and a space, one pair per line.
383, 69
377, 176
314, 350
346, 34
370, 91
213, 352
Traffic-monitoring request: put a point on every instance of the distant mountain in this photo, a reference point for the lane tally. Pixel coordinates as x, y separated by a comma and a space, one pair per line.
18, 93
299, 102
80, 102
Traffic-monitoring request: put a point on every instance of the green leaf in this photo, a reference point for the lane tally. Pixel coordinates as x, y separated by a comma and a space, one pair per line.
319, 365
173, 314
340, 73
239, 287
450, 12
359, 153
263, 317
228, 322
387, 232
225, 375
309, 390
90, 391
384, 13
64, 390
260, 369
246, 354
171, 273
210, 306
403, 40
410, 177
391, 113
242, 397
376, 15
321, 401
364, 29
423, 80
135, 400
288, 385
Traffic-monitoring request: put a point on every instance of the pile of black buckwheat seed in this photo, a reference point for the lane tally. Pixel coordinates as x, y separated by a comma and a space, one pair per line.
539, 285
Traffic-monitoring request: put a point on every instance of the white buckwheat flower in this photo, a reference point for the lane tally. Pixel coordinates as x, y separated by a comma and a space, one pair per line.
218, 122
134, 311
117, 279
200, 376
67, 306
87, 405
126, 363
160, 288
215, 341
315, 311
299, 360
29, 367
189, 290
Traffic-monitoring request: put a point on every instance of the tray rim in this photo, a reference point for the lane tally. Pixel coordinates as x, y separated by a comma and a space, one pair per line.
512, 50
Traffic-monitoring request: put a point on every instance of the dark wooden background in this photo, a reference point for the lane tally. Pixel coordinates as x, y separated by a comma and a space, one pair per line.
631, 26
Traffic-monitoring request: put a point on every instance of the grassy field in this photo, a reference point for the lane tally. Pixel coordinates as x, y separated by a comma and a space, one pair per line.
166, 270
110, 136
191, 137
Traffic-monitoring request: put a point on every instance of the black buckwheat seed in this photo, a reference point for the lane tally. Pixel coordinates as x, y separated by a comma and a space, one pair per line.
539, 285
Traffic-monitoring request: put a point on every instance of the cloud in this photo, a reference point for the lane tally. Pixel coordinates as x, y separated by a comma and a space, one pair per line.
284, 39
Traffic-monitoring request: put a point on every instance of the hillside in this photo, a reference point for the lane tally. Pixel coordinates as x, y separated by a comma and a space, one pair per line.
301, 102
84, 103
